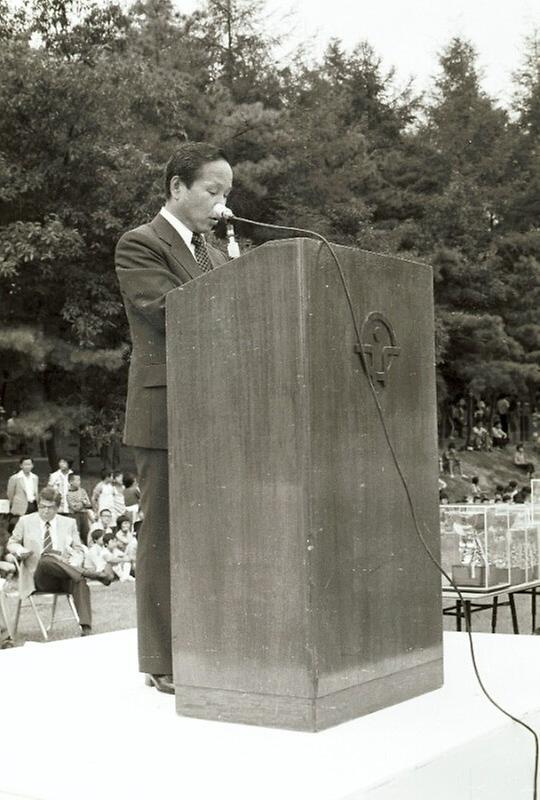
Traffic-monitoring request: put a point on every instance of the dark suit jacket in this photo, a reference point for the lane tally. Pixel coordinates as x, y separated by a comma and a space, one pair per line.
151, 261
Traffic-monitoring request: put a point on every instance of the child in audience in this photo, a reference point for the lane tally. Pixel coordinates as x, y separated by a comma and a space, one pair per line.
116, 558
124, 532
103, 494
79, 505
93, 557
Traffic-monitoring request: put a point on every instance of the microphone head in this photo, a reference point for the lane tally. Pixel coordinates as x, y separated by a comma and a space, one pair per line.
222, 212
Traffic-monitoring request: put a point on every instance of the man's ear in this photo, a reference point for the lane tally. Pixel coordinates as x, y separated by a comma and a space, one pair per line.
177, 187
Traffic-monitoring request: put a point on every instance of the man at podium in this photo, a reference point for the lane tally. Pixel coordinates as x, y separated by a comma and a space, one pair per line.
152, 260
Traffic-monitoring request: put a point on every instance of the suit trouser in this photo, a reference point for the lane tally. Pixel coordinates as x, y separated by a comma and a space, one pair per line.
153, 585
54, 576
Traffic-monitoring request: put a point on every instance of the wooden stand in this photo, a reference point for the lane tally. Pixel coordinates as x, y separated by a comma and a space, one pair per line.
301, 594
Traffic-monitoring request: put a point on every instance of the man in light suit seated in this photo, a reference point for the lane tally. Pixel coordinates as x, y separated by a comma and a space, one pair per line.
50, 553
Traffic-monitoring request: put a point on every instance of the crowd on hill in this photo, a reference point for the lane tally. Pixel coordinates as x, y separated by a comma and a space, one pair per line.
107, 519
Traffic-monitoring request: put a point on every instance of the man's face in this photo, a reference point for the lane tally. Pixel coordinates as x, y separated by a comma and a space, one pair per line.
47, 510
75, 482
27, 466
194, 205
106, 518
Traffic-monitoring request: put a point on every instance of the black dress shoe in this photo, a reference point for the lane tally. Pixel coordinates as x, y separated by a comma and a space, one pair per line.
90, 575
163, 683
86, 630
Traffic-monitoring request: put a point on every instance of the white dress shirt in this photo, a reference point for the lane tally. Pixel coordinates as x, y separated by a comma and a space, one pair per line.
53, 532
28, 485
179, 227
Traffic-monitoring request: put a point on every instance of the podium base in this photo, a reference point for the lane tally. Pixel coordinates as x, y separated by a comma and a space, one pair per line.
304, 713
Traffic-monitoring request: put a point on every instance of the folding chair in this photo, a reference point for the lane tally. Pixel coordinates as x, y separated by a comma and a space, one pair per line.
45, 630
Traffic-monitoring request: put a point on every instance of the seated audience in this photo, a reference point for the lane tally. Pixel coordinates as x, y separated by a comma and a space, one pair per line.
499, 437
475, 486
480, 439
521, 462
104, 522
116, 558
451, 462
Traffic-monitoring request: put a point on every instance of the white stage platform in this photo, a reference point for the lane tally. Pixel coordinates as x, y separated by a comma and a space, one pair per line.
79, 724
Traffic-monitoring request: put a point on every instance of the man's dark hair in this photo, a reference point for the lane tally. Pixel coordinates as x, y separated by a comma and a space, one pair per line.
108, 537
97, 534
25, 458
117, 473
50, 495
73, 475
188, 161
105, 473
108, 510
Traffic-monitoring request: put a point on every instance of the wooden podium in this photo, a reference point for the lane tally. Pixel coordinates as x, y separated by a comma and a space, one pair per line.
301, 595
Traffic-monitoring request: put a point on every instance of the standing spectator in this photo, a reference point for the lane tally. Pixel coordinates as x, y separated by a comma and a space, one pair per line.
118, 505
116, 443
132, 497
15, 440
103, 494
480, 412
503, 407
59, 480
499, 437
457, 416
4, 436
79, 506
521, 462
22, 490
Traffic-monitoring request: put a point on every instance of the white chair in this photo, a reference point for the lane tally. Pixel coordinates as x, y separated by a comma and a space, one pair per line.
53, 596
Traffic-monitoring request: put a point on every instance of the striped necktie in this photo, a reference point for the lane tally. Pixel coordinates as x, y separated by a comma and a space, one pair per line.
47, 541
201, 253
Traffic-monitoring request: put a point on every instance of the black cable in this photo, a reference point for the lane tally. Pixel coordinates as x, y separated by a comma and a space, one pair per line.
395, 459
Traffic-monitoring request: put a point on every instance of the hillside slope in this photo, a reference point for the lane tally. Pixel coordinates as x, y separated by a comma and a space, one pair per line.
492, 468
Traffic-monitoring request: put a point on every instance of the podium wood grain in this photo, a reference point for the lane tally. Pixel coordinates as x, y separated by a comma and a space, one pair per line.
301, 595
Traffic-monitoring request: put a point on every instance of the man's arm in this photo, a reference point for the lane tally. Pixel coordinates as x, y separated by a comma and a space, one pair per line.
145, 279
11, 489
15, 541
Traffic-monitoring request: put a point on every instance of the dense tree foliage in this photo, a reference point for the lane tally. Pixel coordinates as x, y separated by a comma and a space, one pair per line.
94, 99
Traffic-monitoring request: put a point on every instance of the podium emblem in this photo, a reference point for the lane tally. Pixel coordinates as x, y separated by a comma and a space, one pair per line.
380, 347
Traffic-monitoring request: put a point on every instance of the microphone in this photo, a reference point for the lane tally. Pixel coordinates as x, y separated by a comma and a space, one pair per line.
222, 212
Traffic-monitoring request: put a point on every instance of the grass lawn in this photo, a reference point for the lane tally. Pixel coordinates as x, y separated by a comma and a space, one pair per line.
113, 608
